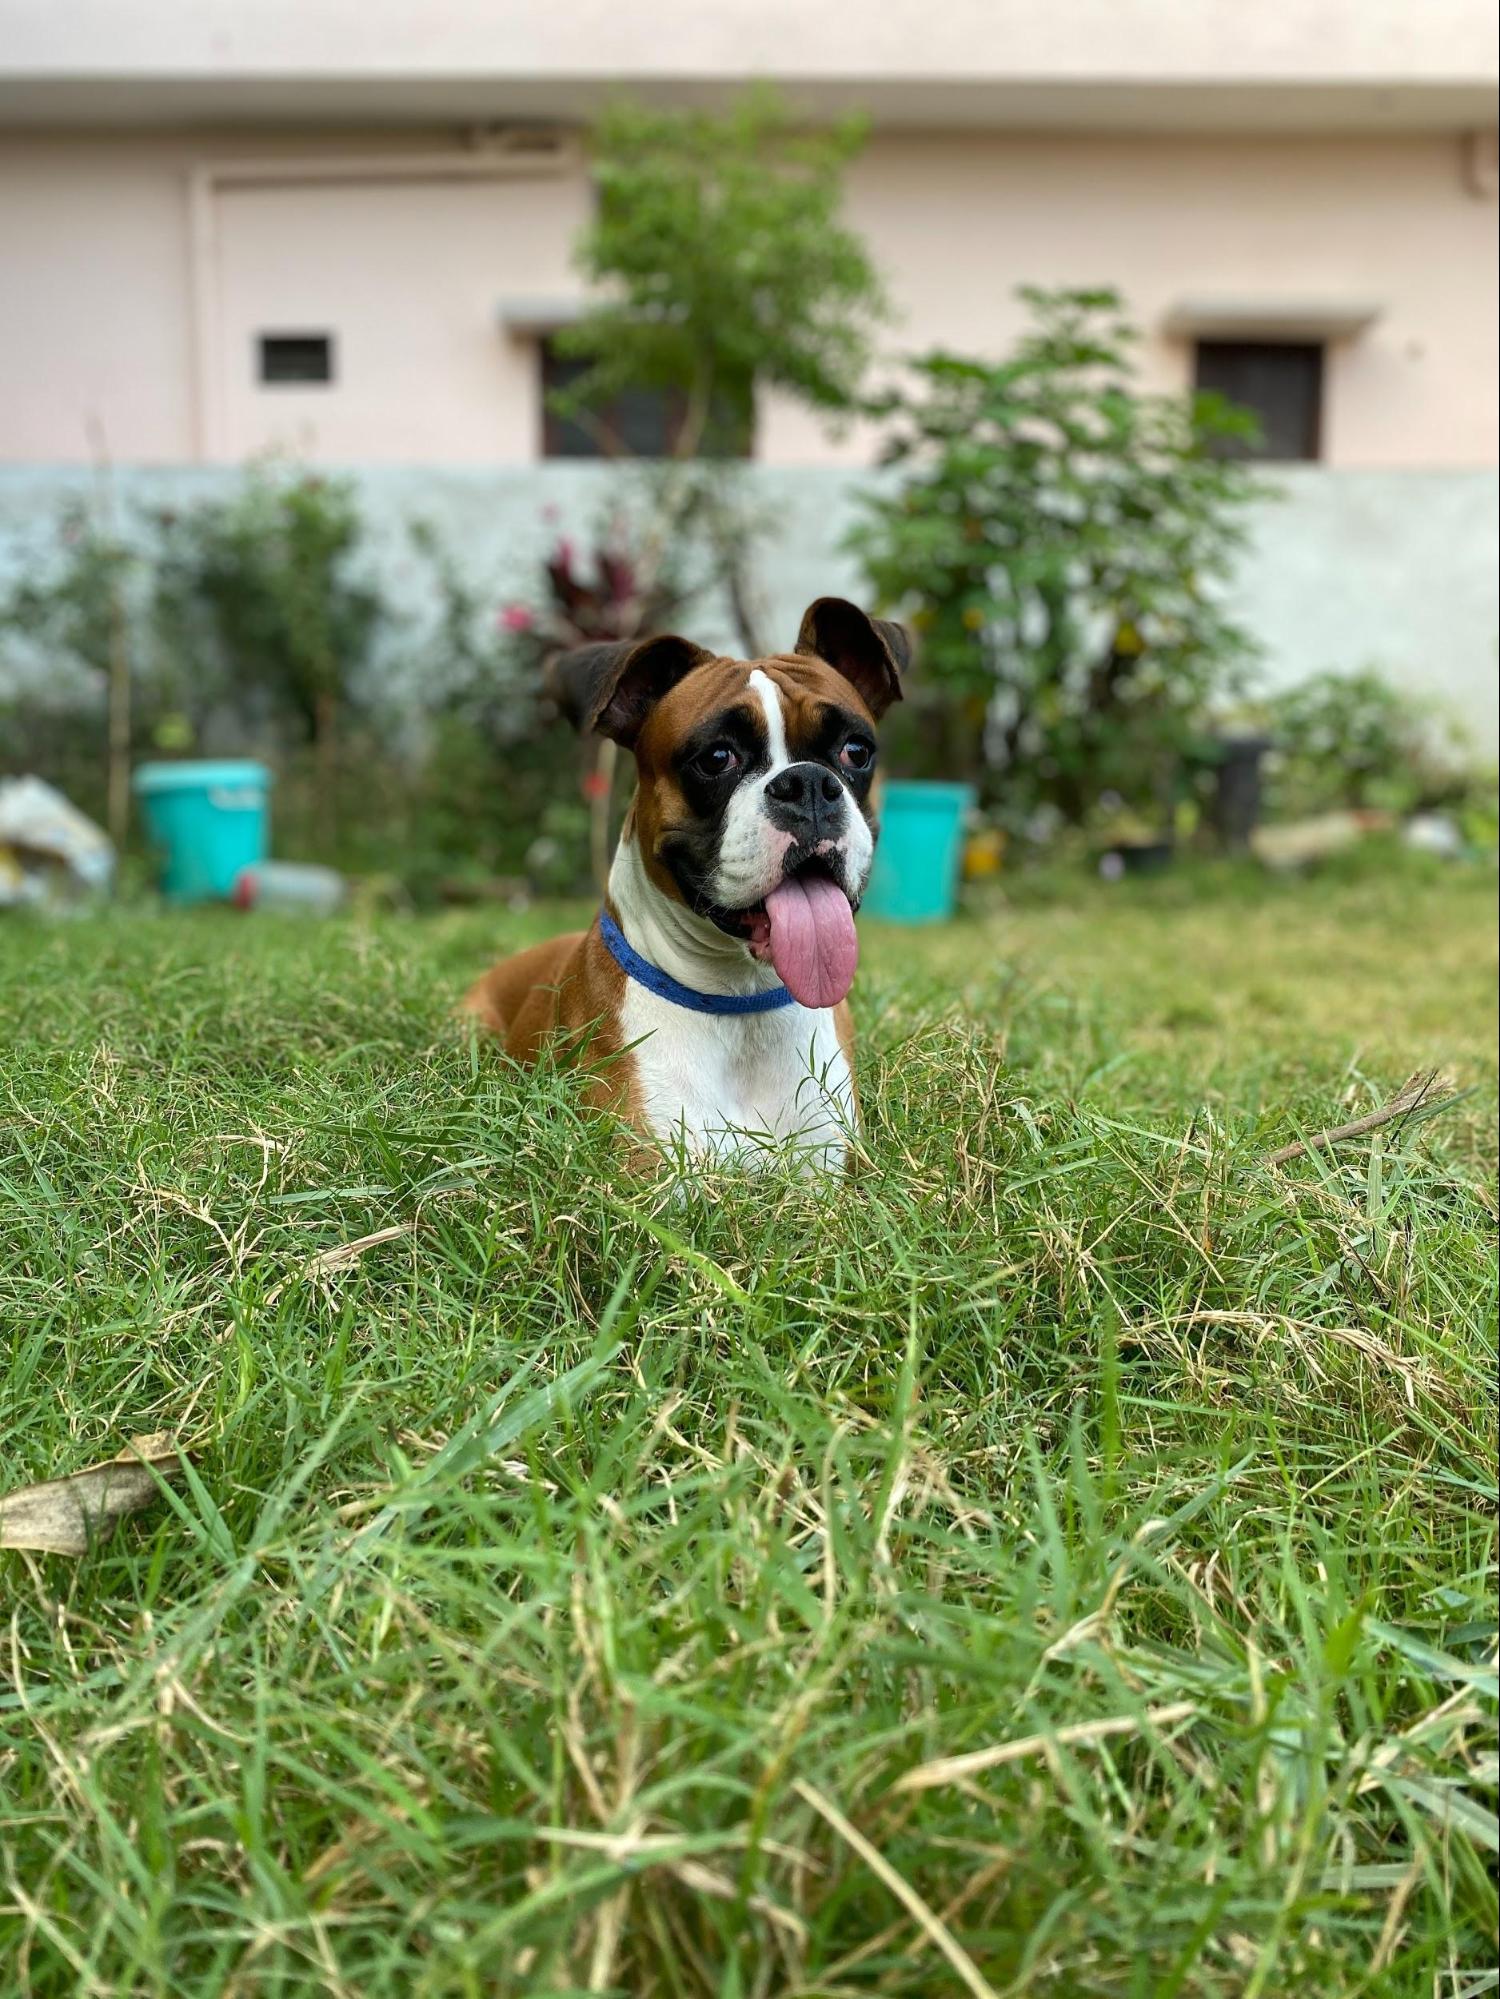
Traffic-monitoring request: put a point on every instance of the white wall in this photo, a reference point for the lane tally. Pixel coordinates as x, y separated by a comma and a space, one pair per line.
1348, 569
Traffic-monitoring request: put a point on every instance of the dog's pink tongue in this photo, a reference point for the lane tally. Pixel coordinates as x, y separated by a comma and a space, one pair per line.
813, 945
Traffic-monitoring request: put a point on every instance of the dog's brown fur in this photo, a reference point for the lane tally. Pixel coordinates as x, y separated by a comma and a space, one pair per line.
565, 994
568, 992
559, 990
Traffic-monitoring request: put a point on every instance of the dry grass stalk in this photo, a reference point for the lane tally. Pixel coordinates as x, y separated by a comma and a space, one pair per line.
931, 1925
957, 1769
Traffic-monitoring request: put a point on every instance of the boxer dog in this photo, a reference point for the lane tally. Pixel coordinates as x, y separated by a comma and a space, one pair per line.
710, 992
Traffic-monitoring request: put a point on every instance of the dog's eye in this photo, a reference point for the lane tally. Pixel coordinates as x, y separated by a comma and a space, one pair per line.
857, 754
718, 760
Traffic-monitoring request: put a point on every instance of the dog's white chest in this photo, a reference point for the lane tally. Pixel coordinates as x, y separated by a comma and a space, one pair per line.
741, 1086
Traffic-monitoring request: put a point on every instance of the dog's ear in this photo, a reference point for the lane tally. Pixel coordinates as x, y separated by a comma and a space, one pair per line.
614, 685
572, 679
871, 653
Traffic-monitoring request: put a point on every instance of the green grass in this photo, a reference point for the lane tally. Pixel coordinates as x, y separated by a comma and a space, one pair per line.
567, 1581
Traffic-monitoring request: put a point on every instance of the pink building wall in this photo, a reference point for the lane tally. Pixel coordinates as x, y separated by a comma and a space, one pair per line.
959, 220
136, 272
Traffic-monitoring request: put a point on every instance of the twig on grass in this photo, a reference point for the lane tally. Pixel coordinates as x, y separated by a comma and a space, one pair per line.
1426, 1089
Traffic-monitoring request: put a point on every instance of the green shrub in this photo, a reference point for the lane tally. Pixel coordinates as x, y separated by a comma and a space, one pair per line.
1055, 539
85, 608
258, 595
1355, 741
506, 783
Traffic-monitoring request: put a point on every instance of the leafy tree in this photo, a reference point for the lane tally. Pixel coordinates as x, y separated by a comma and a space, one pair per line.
725, 267
1056, 539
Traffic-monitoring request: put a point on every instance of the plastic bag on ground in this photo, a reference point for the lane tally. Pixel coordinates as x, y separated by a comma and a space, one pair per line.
51, 856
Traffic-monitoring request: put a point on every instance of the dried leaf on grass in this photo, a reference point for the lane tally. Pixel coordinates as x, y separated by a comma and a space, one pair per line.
68, 1516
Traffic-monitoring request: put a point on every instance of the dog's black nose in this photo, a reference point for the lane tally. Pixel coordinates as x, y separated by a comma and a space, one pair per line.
804, 787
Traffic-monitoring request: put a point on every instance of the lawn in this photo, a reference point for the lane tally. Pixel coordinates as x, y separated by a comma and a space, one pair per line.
1059, 1559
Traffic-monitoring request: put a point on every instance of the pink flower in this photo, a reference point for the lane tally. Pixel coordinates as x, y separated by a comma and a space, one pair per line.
596, 785
517, 618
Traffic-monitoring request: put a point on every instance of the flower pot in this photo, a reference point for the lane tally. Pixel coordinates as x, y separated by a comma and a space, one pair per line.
915, 876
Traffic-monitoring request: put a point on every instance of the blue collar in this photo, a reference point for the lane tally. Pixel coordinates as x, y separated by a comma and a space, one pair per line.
634, 966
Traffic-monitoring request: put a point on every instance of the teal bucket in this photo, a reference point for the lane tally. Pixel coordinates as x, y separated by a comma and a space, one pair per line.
915, 877
207, 821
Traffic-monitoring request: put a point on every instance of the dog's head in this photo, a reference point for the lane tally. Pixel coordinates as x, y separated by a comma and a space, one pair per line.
754, 775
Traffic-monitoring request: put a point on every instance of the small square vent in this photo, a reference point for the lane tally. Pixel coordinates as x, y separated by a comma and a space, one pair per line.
296, 358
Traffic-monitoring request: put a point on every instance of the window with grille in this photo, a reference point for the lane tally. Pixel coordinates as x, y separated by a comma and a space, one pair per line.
1280, 382
637, 423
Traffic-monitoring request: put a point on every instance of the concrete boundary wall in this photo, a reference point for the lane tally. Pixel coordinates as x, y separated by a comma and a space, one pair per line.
1346, 570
